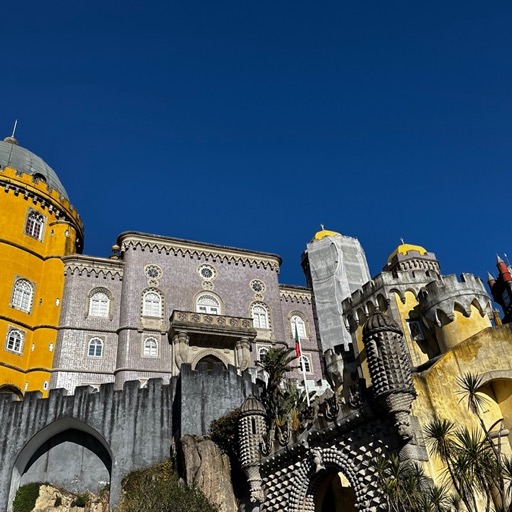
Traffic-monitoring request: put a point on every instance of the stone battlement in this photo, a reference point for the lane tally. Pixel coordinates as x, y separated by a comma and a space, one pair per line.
386, 282
449, 292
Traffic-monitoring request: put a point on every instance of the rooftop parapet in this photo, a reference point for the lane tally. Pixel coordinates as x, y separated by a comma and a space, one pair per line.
387, 282
448, 292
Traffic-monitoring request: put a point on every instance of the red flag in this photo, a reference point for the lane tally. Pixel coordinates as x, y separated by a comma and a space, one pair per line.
298, 352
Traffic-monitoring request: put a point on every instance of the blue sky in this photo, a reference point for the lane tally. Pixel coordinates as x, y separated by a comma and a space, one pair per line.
250, 123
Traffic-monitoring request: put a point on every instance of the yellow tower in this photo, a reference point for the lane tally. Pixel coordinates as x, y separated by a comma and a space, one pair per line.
38, 226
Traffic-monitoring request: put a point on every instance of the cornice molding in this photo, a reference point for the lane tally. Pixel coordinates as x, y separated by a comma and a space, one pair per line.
200, 251
95, 267
297, 296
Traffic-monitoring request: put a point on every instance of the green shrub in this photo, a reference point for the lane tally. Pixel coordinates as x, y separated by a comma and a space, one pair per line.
159, 489
79, 501
224, 431
26, 497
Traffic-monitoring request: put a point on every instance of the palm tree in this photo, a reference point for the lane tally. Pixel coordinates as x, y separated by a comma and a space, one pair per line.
406, 488
440, 438
470, 385
276, 362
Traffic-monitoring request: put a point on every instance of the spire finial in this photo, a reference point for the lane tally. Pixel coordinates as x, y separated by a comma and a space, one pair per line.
322, 226
402, 241
11, 138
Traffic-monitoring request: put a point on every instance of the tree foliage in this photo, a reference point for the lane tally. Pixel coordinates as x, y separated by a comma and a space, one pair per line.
280, 398
159, 489
224, 431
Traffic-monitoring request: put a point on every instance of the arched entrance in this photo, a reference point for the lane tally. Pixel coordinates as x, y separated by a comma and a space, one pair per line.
66, 453
333, 493
210, 361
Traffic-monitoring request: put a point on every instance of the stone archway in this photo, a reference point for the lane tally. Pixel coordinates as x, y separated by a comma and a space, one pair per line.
67, 453
210, 357
311, 485
332, 492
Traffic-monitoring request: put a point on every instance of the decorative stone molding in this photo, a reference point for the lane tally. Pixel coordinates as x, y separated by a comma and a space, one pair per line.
93, 267
295, 295
198, 250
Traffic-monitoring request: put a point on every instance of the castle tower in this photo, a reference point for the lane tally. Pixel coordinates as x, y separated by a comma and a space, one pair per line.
38, 226
390, 368
501, 289
251, 432
456, 309
335, 266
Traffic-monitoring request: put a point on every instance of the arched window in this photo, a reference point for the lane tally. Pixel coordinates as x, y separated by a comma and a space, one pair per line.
14, 341
150, 347
22, 295
305, 363
207, 303
99, 304
34, 225
95, 347
152, 304
297, 324
262, 352
259, 317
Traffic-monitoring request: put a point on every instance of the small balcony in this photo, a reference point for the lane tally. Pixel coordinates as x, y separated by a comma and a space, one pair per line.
208, 330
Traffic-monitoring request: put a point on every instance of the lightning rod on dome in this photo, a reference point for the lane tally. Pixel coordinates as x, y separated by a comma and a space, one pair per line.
322, 226
14, 128
402, 241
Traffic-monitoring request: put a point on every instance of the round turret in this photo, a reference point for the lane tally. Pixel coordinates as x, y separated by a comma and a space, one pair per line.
411, 257
380, 322
251, 406
40, 226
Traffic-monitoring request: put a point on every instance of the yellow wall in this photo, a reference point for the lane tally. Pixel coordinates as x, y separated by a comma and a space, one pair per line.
461, 328
487, 354
38, 261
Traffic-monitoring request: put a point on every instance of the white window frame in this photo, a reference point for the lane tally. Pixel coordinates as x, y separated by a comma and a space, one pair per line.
297, 321
14, 341
152, 307
308, 367
150, 351
34, 224
262, 351
22, 295
260, 316
99, 304
94, 343
208, 304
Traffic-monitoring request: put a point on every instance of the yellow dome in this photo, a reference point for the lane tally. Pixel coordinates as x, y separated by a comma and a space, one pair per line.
323, 233
405, 248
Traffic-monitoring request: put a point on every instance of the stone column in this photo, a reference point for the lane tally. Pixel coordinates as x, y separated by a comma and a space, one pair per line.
180, 344
243, 353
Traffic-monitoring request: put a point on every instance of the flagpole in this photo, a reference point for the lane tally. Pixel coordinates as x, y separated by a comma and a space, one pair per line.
301, 361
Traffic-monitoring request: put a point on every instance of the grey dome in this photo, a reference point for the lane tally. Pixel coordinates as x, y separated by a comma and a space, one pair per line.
252, 405
24, 161
379, 321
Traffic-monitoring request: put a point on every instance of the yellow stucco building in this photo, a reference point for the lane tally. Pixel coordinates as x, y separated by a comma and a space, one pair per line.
38, 225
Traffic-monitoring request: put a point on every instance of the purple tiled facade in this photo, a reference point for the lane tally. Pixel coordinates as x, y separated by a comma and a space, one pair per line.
240, 281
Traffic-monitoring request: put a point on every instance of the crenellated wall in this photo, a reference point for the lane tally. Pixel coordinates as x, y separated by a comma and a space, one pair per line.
95, 437
456, 309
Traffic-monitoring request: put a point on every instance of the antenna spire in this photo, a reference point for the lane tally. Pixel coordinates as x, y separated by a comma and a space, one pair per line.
402, 241
322, 226
11, 138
